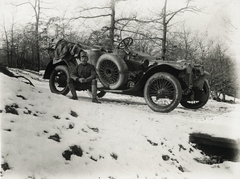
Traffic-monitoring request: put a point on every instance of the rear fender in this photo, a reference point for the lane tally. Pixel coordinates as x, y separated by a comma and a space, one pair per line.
50, 67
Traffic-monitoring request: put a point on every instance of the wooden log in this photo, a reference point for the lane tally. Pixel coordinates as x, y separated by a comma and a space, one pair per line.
5, 71
207, 139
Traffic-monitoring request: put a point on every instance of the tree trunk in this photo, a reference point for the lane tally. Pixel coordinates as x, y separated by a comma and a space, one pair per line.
164, 39
33, 58
8, 56
11, 48
37, 14
112, 23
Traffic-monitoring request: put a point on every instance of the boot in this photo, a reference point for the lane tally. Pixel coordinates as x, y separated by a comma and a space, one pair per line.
73, 91
94, 92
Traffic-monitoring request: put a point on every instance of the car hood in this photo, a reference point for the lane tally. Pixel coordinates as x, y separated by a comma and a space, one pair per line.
180, 64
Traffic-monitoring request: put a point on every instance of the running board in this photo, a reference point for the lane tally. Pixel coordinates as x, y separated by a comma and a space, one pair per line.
111, 91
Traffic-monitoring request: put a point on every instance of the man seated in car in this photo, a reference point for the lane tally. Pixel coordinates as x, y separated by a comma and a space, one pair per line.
84, 77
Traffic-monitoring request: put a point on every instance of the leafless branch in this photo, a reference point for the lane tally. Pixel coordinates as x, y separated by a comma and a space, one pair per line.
94, 8
184, 9
90, 17
142, 34
138, 20
20, 4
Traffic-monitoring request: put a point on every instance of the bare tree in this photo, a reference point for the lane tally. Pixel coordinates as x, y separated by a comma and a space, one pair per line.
167, 18
59, 24
218, 63
116, 24
9, 39
36, 6
7, 42
111, 14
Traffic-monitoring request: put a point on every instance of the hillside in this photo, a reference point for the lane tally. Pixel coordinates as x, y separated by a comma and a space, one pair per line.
48, 136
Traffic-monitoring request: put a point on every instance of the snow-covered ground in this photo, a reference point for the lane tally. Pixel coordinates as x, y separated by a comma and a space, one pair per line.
51, 136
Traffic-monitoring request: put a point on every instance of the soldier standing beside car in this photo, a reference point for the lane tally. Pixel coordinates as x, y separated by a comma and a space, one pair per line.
84, 77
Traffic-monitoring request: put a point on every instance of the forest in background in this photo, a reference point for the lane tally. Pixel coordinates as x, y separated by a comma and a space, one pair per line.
25, 47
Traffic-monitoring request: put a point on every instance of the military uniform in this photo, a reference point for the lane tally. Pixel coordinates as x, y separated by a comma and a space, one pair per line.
87, 75
83, 71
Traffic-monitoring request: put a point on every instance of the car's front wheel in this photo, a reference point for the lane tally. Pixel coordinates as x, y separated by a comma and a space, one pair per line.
58, 80
162, 92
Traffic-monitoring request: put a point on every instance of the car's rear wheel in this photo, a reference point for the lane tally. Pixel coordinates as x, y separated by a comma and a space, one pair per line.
58, 80
162, 92
112, 71
198, 104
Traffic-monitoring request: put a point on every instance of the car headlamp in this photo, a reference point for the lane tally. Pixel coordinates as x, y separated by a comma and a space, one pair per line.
145, 63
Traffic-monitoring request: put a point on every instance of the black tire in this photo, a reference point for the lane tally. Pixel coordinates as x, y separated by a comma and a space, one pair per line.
112, 71
58, 80
198, 104
162, 92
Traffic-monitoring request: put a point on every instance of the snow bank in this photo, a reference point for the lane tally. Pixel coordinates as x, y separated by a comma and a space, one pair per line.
44, 135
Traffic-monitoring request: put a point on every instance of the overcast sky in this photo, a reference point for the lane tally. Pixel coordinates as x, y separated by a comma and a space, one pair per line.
197, 21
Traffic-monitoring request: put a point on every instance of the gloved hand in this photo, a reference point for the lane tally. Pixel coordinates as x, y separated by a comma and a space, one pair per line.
82, 80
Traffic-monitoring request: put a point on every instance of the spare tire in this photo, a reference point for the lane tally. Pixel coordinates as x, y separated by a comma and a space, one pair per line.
112, 71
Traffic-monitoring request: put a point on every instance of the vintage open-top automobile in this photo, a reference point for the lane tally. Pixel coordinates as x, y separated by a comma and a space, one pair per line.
163, 84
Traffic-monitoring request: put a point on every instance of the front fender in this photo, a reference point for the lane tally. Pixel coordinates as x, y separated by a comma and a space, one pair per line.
155, 69
180, 65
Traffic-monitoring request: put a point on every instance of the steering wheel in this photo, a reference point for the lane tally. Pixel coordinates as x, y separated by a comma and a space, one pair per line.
125, 43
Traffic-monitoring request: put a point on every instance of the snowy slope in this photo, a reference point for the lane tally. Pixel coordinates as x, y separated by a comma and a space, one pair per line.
52, 136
